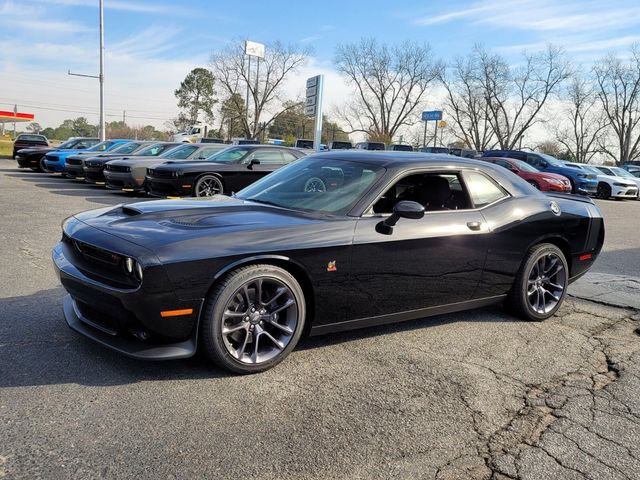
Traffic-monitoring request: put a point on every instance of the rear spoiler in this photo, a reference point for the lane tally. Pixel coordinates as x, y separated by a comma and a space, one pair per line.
570, 196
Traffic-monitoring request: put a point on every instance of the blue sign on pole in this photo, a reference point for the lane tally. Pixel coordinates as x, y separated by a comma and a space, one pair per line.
433, 115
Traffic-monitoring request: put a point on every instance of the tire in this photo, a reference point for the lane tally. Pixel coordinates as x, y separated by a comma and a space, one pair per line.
207, 186
604, 191
534, 184
315, 184
230, 304
525, 299
42, 165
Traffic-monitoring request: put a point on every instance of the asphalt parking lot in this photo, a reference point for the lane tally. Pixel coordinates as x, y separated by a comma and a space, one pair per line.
476, 395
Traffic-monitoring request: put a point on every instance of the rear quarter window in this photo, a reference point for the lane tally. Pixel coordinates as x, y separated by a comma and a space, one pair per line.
483, 190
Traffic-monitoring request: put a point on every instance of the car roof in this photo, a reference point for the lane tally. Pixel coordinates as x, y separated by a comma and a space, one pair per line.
395, 158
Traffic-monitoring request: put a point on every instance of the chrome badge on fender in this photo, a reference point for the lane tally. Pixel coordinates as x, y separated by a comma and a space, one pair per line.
555, 208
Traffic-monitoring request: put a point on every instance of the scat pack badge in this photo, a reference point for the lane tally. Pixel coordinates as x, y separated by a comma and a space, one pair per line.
331, 266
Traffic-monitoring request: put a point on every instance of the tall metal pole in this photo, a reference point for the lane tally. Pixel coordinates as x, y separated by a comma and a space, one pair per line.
247, 101
318, 127
435, 135
102, 122
424, 135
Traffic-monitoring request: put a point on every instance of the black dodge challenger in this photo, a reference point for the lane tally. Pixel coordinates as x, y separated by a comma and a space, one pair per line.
331, 242
226, 171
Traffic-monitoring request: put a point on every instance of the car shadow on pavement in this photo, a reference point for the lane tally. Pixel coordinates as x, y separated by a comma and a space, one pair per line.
38, 348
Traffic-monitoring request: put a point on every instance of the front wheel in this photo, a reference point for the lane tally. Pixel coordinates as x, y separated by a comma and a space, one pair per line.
604, 191
541, 283
253, 318
208, 186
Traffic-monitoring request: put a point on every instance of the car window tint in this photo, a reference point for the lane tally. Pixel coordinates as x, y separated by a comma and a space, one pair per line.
181, 153
206, 153
288, 157
504, 164
483, 191
267, 156
434, 192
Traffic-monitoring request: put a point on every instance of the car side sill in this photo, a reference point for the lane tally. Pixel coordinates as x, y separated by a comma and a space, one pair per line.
404, 316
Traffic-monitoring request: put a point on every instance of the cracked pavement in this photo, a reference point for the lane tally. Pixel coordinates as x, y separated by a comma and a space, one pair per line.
477, 395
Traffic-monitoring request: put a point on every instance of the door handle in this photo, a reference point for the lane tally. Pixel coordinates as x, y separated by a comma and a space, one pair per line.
475, 226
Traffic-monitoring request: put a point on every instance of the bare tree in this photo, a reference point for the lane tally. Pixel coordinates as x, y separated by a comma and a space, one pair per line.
231, 69
466, 103
390, 83
515, 97
587, 125
618, 88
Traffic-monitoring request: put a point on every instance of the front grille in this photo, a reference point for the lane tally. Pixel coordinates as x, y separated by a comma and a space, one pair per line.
94, 163
117, 168
160, 173
99, 264
74, 161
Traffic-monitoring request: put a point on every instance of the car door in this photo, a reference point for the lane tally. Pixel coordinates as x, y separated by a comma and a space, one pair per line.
436, 260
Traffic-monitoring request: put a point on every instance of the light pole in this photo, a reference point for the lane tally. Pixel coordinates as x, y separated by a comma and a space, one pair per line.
100, 77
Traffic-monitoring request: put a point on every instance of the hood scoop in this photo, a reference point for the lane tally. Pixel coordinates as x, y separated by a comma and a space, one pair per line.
130, 211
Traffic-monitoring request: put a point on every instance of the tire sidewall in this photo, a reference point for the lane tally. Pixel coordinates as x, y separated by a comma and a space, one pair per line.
522, 287
204, 177
211, 325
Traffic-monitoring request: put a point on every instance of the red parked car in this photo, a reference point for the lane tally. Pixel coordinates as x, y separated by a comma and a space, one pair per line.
541, 180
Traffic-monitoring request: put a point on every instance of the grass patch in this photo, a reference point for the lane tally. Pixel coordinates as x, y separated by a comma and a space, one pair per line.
6, 148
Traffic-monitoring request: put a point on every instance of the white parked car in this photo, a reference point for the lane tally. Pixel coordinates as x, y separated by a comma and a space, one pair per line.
610, 186
633, 176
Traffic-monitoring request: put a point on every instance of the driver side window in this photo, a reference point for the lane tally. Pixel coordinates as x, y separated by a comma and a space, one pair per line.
434, 191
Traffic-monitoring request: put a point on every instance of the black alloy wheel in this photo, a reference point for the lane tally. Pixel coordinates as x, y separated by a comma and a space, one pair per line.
541, 283
604, 191
208, 186
253, 318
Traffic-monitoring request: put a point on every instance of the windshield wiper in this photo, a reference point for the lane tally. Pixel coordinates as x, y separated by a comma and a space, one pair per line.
264, 202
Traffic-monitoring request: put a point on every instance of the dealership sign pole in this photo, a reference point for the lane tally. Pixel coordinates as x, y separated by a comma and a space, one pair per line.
435, 115
313, 106
252, 49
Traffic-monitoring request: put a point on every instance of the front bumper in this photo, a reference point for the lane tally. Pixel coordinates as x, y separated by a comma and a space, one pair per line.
168, 187
123, 181
54, 166
94, 175
587, 188
75, 171
624, 192
120, 318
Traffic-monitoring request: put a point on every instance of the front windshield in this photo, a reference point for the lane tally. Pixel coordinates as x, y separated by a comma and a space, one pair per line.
126, 148
100, 147
228, 155
553, 161
621, 172
591, 170
154, 150
181, 153
524, 166
315, 185
68, 144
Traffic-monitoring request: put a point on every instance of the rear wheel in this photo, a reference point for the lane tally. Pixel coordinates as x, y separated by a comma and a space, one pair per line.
541, 283
604, 191
253, 318
208, 186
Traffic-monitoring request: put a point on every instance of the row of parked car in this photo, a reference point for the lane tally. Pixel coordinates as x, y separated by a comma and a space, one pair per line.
167, 169
162, 169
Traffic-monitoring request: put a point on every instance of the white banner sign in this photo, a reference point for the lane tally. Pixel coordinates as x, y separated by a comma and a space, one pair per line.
254, 49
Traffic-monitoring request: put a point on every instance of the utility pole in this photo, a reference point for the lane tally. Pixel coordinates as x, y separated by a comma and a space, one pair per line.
100, 77
124, 117
15, 114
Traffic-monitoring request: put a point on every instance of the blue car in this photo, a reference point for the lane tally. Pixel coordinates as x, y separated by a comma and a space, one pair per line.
54, 161
582, 182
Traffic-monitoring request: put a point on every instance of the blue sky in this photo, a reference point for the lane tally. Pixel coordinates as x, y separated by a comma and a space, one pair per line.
151, 45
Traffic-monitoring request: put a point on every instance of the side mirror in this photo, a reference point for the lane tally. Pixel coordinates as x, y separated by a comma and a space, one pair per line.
544, 164
252, 163
403, 209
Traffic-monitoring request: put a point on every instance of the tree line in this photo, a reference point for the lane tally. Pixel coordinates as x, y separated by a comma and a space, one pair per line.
80, 127
488, 101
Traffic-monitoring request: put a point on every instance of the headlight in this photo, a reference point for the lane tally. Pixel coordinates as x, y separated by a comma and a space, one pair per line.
133, 268
618, 184
582, 175
555, 181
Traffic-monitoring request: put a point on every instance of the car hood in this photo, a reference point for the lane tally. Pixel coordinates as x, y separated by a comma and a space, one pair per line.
557, 176
611, 178
220, 225
34, 150
133, 160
